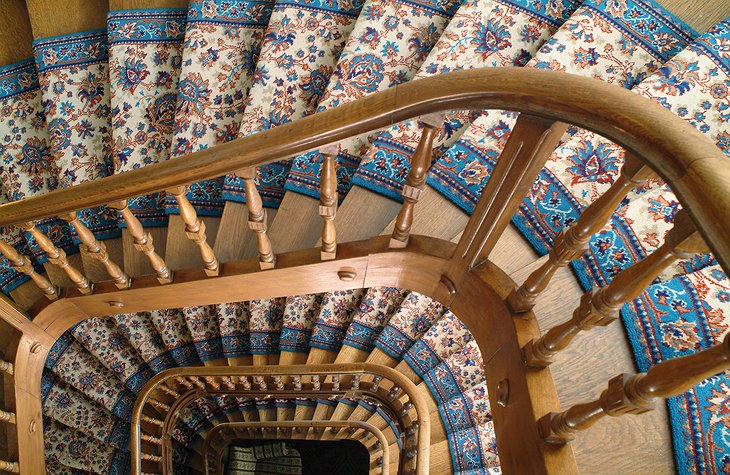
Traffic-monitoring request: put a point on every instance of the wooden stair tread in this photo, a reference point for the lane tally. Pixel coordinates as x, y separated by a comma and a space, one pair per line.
181, 252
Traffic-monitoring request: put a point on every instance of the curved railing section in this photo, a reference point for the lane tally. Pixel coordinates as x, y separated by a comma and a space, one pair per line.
377, 384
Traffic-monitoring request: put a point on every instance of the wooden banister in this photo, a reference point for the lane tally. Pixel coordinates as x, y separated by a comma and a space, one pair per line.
22, 264
143, 241
416, 179
97, 250
694, 168
195, 230
257, 219
57, 257
573, 241
636, 394
601, 307
531, 142
328, 202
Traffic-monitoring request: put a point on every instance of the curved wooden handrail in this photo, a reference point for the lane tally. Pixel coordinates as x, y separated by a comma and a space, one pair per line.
406, 385
385, 464
696, 170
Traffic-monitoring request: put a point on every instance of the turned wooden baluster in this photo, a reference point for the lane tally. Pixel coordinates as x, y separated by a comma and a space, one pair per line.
257, 219
22, 264
97, 250
7, 367
195, 230
420, 163
57, 257
7, 417
601, 307
11, 467
328, 202
637, 393
143, 242
572, 242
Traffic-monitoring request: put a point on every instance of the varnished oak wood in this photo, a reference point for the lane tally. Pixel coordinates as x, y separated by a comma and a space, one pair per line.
328, 203
581, 368
572, 242
195, 230
637, 393
600, 307
23, 264
415, 181
16, 37
235, 241
57, 257
699, 14
142, 248
181, 252
96, 250
53, 18
96, 270
257, 219
296, 225
673, 148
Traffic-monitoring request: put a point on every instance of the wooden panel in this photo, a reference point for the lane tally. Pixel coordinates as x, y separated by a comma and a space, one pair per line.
297, 224
94, 269
135, 262
364, 212
54, 18
699, 14
181, 252
16, 37
531, 394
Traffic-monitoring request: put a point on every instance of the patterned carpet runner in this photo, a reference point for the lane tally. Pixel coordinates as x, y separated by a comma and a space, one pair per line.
93, 373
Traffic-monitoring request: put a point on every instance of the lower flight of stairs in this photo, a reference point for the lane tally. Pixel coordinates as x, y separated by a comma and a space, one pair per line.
95, 371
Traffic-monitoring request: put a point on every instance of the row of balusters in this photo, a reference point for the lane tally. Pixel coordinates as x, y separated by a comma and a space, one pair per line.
6, 417
153, 421
626, 394
195, 227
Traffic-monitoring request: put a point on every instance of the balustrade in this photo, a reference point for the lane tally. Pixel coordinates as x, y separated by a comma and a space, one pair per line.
328, 202
143, 241
324, 382
257, 220
416, 180
97, 250
57, 257
601, 307
573, 241
673, 149
636, 394
23, 264
195, 230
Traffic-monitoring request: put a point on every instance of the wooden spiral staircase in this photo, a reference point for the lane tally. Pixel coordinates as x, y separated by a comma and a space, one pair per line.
484, 276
